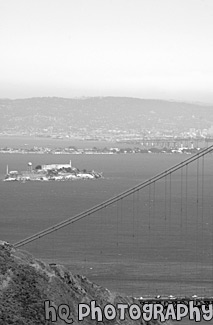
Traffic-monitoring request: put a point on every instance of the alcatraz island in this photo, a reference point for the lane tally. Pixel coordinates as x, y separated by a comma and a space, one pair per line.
52, 172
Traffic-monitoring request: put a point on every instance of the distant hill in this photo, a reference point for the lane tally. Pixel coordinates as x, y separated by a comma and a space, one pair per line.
101, 114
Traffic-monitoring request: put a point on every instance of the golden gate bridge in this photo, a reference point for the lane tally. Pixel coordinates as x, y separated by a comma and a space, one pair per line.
154, 239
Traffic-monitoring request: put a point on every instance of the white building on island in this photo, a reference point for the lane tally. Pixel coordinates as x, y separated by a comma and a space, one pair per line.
56, 166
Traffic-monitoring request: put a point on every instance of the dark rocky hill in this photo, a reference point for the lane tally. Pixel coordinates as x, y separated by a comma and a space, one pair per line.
25, 283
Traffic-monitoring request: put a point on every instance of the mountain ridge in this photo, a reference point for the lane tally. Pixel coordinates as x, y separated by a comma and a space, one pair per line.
102, 116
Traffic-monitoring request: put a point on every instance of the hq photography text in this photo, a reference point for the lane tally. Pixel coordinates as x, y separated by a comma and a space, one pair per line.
164, 311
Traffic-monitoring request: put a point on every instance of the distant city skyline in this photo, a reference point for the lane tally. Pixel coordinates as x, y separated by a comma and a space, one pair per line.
157, 49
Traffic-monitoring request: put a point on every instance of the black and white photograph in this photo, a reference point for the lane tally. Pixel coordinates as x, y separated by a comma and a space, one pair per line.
106, 162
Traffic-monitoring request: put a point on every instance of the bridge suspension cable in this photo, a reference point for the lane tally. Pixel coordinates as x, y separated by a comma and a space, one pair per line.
114, 199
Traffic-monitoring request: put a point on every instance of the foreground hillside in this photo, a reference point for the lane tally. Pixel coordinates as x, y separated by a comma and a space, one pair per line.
25, 283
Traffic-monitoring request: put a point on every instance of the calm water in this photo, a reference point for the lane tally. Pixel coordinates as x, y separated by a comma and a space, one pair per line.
23, 142
136, 246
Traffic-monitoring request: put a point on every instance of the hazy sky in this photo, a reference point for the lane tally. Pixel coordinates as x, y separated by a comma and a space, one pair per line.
139, 48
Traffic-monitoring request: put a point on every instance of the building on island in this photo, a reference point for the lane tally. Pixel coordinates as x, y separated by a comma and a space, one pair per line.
56, 166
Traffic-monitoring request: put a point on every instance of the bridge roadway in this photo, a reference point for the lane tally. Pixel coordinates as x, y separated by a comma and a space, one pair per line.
171, 142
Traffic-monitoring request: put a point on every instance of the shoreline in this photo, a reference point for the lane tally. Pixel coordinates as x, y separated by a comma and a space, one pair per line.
96, 151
